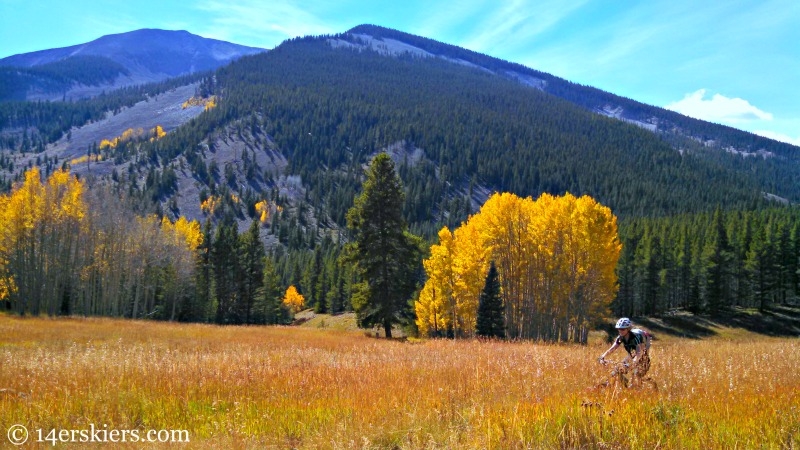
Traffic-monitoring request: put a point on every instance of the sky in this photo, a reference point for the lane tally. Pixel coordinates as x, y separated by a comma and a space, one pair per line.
733, 62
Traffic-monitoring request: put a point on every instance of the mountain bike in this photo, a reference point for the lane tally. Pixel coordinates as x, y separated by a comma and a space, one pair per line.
625, 374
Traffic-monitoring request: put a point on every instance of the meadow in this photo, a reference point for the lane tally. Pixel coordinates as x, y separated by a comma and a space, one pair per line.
296, 387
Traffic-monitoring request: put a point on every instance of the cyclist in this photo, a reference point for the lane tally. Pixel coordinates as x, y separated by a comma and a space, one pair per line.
636, 342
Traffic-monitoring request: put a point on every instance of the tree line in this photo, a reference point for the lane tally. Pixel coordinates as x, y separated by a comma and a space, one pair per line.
544, 269
709, 262
66, 249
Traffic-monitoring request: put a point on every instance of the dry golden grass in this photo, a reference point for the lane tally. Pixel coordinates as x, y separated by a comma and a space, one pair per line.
261, 387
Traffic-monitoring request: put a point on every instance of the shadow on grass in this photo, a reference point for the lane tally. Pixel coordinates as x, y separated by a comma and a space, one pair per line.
778, 321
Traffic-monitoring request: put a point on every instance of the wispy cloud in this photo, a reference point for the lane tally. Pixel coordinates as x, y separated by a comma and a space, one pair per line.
265, 23
718, 108
492, 27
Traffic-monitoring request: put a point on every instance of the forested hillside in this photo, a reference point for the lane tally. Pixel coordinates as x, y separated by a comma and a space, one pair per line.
685, 133
329, 108
282, 145
57, 77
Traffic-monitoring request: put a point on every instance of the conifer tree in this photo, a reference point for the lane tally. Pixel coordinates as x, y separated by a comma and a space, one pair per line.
716, 263
252, 261
268, 308
385, 255
225, 263
200, 308
491, 319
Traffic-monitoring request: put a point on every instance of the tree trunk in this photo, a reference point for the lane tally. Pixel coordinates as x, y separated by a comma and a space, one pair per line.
387, 328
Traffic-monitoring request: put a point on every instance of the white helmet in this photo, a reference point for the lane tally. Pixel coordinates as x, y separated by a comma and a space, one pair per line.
624, 323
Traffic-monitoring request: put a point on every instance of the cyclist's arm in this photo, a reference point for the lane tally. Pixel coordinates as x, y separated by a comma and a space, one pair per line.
610, 350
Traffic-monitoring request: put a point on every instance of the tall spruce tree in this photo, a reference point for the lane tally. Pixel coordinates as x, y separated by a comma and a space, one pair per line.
384, 254
225, 263
252, 275
268, 306
491, 317
716, 262
199, 310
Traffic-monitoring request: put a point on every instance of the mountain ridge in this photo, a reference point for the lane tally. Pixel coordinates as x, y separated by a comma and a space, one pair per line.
594, 99
320, 105
140, 56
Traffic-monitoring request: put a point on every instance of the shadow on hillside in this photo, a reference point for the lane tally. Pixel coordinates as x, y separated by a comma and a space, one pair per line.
688, 326
778, 321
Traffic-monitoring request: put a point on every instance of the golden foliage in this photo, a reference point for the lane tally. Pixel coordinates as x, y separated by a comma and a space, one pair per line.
158, 133
209, 205
555, 257
85, 159
294, 300
52, 246
155, 133
206, 103
267, 210
183, 232
30, 215
262, 209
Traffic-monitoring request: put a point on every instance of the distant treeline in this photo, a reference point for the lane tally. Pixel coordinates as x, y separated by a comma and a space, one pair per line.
36, 124
59, 76
709, 262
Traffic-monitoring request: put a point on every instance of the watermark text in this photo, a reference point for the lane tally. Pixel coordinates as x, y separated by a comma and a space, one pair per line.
19, 434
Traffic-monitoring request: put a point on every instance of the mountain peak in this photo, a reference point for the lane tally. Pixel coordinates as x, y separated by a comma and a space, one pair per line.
146, 55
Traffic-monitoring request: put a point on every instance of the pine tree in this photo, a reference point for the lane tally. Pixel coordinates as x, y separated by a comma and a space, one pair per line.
759, 266
225, 263
252, 276
268, 308
716, 262
384, 254
491, 319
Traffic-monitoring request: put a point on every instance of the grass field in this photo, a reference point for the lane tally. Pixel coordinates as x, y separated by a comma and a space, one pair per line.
308, 387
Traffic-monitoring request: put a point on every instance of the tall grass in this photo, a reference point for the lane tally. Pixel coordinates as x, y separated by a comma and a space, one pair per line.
259, 387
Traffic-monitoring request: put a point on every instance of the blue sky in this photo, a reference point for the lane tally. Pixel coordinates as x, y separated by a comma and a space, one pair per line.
735, 62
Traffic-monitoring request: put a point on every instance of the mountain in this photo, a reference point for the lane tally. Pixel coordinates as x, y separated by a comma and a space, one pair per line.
281, 139
111, 62
295, 126
684, 132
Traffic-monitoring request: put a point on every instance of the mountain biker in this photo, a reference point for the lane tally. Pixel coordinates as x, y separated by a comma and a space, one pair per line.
636, 342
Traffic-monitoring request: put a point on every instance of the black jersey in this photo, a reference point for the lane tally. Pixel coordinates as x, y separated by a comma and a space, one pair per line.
635, 337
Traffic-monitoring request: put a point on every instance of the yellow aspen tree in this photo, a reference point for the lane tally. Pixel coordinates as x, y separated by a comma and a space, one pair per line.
24, 212
158, 132
600, 249
7, 285
183, 232
441, 279
294, 300
470, 265
62, 223
503, 223
555, 257
432, 317
262, 208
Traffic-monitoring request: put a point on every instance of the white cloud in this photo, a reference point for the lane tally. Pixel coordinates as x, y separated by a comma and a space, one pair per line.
779, 137
497, 28
718, 108
257, 23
